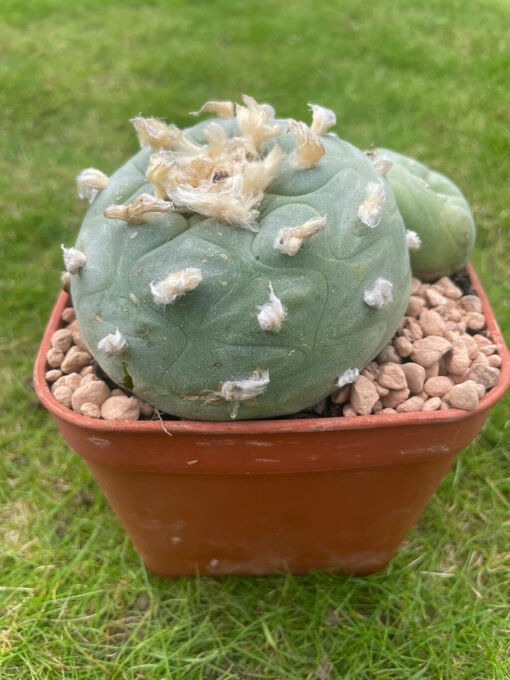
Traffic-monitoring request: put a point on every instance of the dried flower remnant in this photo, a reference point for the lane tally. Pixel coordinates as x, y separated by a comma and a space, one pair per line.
74, 260
272, 314
240, 390
113, 344
370, 211
413, 240
176, 284
309, 149
90, 182
221, 109
140, 210
290, 239
380, 294
322, 119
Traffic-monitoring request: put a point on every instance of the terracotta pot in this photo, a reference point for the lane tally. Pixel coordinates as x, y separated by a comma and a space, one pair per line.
260, 497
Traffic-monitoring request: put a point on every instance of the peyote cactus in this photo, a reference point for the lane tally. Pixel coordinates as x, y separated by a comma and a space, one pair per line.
243, 268
441, 229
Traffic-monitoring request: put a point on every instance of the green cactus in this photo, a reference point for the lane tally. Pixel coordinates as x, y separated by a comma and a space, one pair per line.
436, 211
244, 268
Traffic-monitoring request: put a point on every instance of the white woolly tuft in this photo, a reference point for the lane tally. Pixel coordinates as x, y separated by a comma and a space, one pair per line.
221, 109
309, 149
113, 344
322, 119
347, 377
370, 211
158, 135
240, 390
216, 138
380, 295
290, 239
231, 205
382, 164
176, 284
253, 121
272, 314
155, 133
270, 110
140, 210
74, 260
257, 175
413, 240
90, 182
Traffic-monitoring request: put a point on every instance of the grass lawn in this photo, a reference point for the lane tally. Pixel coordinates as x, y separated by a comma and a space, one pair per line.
428, 79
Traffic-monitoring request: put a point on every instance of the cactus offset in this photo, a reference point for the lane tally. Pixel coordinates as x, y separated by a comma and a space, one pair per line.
269, 268
441, 229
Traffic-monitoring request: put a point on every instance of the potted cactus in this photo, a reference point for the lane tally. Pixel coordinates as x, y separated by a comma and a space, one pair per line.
232, 275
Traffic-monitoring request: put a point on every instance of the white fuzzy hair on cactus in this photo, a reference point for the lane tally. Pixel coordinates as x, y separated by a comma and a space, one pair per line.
272, 314
309, 148
322, 119
74, 259
370, 211
113, 344
290, 239
240, 390
380, 294
176, 284
382, 164
90, 182
413, 240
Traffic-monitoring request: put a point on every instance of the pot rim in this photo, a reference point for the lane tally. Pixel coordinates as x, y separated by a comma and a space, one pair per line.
280, 424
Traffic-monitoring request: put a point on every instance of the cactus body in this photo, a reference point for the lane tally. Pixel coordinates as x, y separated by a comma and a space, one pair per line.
435, 209
251, 330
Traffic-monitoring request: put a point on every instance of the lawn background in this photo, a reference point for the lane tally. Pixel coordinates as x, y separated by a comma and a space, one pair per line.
430, 80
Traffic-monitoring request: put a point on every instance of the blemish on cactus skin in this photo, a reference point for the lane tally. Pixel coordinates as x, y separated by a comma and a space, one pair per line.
380, 294
370, 211
290, 239
74, 260
90, 182
176, 284
127, 380
135, 299
272, 314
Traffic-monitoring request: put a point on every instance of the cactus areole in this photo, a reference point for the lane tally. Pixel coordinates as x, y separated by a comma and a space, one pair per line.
243, 268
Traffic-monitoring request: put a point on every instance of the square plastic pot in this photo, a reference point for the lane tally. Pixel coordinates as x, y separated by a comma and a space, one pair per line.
261, 497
